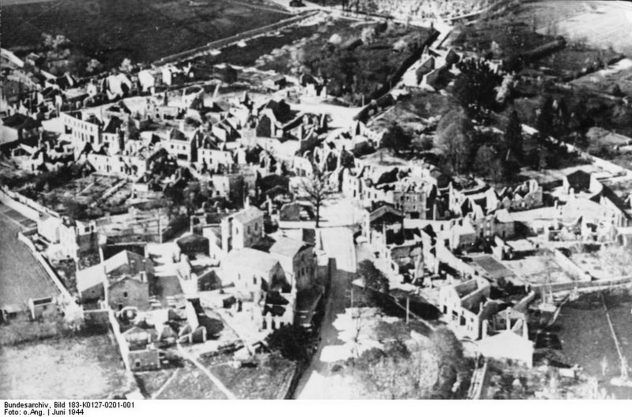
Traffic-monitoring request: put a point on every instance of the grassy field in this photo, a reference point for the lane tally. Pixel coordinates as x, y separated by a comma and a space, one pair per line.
268, 380
255, 48
43, 370
586, 337
619, 75
190, 383
601, 24
21, 275
151, 382
142, 30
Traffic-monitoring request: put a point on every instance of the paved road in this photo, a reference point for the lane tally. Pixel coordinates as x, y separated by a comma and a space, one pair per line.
317, 381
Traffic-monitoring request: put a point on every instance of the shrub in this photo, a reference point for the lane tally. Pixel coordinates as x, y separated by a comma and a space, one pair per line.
291, 342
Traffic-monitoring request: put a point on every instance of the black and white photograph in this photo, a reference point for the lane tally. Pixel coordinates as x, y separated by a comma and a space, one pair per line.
313, 200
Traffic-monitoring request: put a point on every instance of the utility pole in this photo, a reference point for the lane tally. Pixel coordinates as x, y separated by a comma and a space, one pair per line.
407, 309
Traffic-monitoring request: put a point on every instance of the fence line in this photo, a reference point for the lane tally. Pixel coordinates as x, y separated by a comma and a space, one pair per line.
222, 43
477, 383
120, 341
583, 285
49, 271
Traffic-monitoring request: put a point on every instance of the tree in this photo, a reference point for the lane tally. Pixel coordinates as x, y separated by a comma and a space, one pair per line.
455, 140
372, 277
93, 66
368, 35
427, 143
486, 162
561, 120
475, 87
544, 121
315, 188
75, 210
395, 138
513, 135
509, 165
452, 366
126, 65
54, 42
291, 342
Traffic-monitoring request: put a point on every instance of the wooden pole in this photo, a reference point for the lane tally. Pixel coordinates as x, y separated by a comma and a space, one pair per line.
407, 309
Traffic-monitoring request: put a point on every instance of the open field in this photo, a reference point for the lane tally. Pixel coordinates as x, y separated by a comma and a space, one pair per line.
587, 340
190, 383
596, 266
538, 270
601, 24
268, 380
517, 38
150, 382
255, 48
21, 276
73, 367
19, 2
605, 80
111, 31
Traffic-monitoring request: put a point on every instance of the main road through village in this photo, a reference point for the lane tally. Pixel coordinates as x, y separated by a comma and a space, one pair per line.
316, 382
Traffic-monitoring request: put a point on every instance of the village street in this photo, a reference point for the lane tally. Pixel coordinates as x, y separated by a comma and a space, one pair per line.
317, 381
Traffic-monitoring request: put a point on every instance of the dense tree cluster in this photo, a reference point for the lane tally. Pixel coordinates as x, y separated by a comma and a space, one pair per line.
372, 277
476, 87
396, 138
432, 367
292, 342
357, 64
455, 140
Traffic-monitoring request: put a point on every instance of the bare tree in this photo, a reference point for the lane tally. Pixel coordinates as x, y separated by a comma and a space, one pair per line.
315, 188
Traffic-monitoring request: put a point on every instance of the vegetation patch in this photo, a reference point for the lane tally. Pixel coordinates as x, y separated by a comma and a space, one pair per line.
93, 362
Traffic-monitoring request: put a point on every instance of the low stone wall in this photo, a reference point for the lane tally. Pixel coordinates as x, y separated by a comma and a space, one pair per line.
8, 199
96, 317
570, 267
65, 295
120, 340
583, 286
477, 383
222, 43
